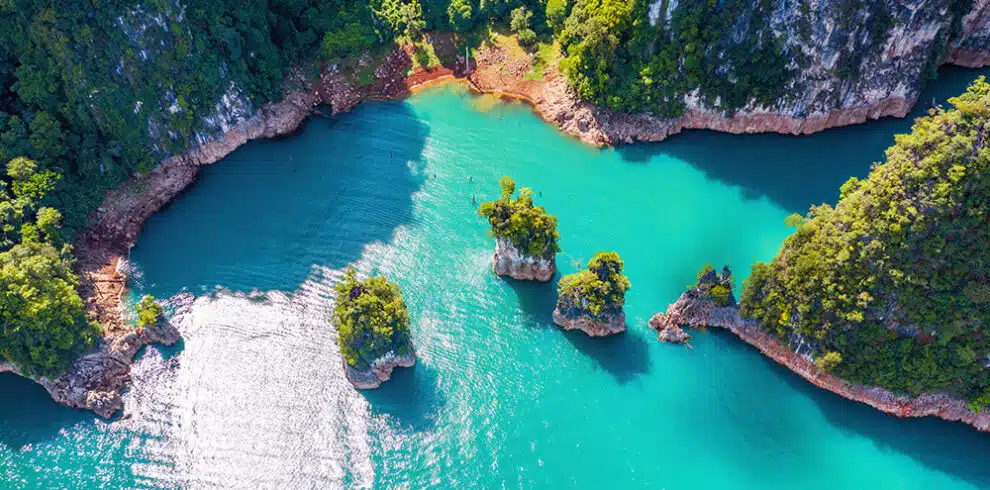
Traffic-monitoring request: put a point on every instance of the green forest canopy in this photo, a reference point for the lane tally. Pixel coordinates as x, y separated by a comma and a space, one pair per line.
371, 319
528, 227
892, 285
598, 291
43, 324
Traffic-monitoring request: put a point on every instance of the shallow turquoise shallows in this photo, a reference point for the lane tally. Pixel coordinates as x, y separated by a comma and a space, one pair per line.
255, 396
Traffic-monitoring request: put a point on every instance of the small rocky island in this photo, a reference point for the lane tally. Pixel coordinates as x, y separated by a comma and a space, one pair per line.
710, 287
525, 235
372, 329
591, 300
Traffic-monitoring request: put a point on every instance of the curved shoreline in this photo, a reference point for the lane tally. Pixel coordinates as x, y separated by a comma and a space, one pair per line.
691, 311
117, 223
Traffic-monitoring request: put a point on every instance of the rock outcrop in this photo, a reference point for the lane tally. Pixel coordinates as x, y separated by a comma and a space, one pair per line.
697, 310
510, 261
380, 371
594, 327
668, 332
94, 381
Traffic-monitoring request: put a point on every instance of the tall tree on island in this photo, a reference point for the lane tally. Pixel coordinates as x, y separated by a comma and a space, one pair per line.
525, 235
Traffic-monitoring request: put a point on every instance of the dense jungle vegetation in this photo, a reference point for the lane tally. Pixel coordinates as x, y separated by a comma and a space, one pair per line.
892, 285
371, 319
530, 229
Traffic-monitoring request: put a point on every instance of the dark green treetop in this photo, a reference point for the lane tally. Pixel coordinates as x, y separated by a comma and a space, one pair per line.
528, 227
371, 319
598, 291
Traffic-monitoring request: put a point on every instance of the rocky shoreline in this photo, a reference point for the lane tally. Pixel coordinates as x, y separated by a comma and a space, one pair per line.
614, 324
509, 261
95, 380
693, 311
117, 223
380, 370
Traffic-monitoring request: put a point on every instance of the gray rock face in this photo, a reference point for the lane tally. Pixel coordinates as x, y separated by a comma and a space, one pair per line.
668, 332
610, 325
380, 370
95, 379
509, 261
841, 75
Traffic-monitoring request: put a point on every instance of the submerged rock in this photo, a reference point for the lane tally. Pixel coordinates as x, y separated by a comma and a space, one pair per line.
668, 332
380, 370
509, 261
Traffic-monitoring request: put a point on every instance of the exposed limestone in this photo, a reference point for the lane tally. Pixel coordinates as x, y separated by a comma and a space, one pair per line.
380, 370
698, 311
95, 379
668, 332
609, 325
509, 261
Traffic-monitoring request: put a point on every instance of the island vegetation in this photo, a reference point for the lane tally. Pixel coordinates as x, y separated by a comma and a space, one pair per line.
891, 287
529, 228
148, 311
371, 319
592, 299
43, 324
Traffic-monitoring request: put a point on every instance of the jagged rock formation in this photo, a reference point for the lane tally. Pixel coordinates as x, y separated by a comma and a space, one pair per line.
668, 332
698, 310
610, 324
380, 371
509, 261
95, 379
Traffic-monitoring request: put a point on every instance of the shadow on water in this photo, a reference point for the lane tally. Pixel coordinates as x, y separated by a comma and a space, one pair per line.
795, 171
412, 397
264, 217
625, 356
950, 447
28, 415
536, 299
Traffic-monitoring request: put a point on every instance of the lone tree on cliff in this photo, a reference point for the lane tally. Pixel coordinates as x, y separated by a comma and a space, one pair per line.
529, 228
372, 319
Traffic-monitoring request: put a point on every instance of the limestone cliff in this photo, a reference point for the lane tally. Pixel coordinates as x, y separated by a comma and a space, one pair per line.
510, 261
380, 370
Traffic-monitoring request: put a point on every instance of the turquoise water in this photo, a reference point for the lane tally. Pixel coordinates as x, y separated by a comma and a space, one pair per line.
255, 397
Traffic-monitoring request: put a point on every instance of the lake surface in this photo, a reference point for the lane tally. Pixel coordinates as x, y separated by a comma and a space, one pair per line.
254, 397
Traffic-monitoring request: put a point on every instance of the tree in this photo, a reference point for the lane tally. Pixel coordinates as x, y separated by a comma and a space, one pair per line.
891, 280
148, 311
412, 19
598, 291
530, 229
556, 11
828, 361
459, 15
43, 325
371, 319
